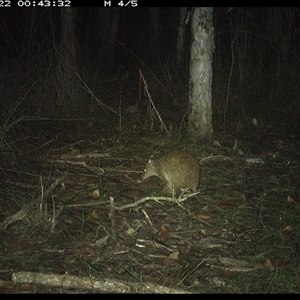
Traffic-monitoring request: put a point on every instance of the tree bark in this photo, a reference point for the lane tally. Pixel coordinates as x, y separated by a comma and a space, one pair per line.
181, 34
68, 91
113, 31
200, 128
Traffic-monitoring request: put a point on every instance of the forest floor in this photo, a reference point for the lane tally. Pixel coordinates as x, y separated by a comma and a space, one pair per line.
75, 217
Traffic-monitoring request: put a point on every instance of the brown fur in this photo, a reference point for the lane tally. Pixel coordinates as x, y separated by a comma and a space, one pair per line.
178, 168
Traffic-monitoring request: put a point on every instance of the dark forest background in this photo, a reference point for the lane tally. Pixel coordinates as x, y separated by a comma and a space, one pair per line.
255, 65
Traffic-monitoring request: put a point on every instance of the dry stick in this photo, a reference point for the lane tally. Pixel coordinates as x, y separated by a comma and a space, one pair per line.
92, 94
178, 201
112, 217
151, 101
136, 203
96, 284
157, 199
81, 164
21, 214
215, 157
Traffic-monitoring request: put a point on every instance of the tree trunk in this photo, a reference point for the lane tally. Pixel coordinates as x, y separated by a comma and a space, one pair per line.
200, 117
155, 30
155, 21
68, 91
113, 30
181, 33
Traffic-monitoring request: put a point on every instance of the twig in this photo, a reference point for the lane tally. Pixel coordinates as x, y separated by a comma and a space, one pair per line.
217, 157
21, 214
112, 217
87, 89
81, 164
152, 103
178, 200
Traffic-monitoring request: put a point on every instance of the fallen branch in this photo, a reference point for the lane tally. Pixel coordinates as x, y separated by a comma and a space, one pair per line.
178, 200
95, 284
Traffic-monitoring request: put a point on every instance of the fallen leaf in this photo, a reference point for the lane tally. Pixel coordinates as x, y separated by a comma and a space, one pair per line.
174, 255
96, 194
204, 232
225, 203
291, 200
287, 228
95, 214
165, 233
203, 216
101, 241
